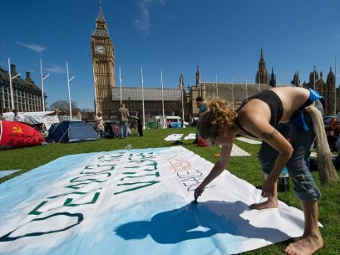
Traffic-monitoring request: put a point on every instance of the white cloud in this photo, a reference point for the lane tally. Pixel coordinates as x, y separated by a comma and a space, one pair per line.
35, 47
55, 69
143, 22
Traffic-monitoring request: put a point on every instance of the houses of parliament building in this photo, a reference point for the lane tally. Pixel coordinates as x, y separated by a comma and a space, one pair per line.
26, 95
108, 96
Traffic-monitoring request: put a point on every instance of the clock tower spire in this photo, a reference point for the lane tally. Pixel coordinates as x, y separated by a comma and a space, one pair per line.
103, 63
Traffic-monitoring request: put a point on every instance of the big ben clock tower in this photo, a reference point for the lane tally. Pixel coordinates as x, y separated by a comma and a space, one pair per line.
103, 66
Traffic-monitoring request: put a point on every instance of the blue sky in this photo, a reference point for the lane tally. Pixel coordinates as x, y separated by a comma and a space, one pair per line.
223, 37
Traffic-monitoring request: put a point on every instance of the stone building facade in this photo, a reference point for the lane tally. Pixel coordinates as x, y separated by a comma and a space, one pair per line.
27, 96
108, 97
132, 97
234, 93
325, 88
262, 75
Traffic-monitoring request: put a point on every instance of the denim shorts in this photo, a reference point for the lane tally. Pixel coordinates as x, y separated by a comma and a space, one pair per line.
302, 142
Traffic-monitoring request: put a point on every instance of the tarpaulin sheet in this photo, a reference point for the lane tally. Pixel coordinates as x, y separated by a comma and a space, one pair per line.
47, 117
136, 202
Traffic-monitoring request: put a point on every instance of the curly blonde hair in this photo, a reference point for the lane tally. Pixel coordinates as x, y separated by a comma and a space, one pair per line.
219, 116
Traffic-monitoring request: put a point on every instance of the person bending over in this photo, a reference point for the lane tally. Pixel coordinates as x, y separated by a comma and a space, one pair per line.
259, 116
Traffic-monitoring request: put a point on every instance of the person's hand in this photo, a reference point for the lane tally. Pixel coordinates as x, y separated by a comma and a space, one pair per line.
198, 192
268, 188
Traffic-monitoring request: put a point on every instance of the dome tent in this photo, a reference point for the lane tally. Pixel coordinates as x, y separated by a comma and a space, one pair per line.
71, 131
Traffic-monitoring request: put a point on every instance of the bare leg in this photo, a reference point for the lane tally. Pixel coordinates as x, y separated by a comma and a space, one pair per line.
272, 202
311, 240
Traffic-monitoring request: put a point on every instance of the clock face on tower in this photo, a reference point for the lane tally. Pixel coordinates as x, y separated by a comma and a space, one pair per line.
100, 49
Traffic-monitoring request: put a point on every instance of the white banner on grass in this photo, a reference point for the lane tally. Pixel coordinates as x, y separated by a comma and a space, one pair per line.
173, 137
4, 173
248, 140
136, 202
191, 136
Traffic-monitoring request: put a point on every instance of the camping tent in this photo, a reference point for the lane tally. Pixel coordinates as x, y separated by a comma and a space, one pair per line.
17, 134
71, 131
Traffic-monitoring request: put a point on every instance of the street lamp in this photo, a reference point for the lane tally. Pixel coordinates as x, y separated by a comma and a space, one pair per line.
69, 91
143, 107
42, 78
10, 82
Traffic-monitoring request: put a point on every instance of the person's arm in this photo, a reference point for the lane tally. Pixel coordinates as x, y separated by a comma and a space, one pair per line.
285, 149
275, 139
216, 170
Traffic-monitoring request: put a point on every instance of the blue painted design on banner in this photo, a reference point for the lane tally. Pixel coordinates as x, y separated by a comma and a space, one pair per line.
155, 227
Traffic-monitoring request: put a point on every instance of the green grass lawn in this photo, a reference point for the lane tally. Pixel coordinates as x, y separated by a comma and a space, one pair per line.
246, 168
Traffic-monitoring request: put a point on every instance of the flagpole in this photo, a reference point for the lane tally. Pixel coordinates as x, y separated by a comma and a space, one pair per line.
216, 87
141, 71
182, 92
69, 90
162, 87
314, 78
11, 82
42, 78
120, 85
232, 94
42, 85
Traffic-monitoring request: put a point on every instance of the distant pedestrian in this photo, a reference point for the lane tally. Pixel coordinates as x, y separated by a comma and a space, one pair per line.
140, 124
1, 116
202, 106
123, 120
99, 124
116, 130
17, 116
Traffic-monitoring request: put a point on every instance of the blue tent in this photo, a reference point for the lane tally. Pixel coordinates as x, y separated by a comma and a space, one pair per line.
71, 131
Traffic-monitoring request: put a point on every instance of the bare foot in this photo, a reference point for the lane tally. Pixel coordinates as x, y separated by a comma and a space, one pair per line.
265, 205
305, 246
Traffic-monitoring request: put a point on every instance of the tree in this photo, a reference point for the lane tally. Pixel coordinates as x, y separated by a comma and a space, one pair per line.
63, 107
86, 110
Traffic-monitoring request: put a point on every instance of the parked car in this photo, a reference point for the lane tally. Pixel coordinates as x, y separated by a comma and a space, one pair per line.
175, 121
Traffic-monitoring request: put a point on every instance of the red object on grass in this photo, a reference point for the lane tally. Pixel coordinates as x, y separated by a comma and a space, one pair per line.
17, 134
201, 142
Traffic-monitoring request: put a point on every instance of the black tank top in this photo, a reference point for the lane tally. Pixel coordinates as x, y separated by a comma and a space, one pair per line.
274, 103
